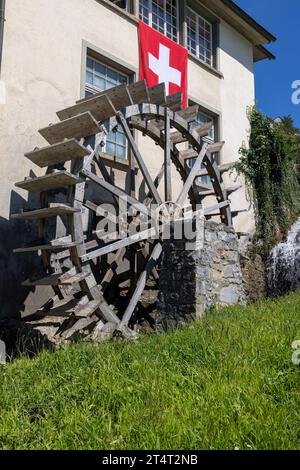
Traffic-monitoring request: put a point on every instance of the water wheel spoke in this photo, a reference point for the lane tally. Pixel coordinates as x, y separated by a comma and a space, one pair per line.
122, 121
126, 242
191, 177
167, 158
141, 284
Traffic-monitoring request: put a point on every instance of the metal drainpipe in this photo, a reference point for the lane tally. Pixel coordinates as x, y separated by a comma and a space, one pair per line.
2, 20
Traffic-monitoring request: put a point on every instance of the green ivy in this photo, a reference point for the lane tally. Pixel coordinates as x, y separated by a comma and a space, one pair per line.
268, 163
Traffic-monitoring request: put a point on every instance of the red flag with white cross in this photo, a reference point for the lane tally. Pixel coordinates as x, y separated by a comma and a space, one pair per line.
162, 61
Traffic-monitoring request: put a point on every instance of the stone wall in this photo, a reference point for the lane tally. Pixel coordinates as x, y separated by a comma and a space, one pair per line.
193, 281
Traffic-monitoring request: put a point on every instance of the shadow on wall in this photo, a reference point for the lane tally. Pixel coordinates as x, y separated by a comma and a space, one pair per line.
15, 268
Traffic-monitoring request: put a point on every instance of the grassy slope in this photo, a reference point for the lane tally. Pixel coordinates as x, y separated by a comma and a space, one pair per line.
224, 383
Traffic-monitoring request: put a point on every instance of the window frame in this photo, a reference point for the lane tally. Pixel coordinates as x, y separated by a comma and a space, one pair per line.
198, 19
128, 8
150, 23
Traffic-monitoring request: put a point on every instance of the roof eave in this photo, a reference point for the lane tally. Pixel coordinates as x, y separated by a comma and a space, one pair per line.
261, 53
269, 37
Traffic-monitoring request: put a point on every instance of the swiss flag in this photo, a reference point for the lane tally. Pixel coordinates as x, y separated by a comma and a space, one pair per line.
162, 61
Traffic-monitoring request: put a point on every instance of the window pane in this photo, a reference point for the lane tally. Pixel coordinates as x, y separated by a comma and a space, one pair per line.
161, 15
101, 77
99, 82
200, 37
124, 4
89, 78
100, 69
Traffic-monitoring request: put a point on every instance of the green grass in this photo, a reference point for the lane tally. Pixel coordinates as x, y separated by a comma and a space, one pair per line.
227, 382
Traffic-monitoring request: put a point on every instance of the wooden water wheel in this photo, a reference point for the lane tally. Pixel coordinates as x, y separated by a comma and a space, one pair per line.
81, 261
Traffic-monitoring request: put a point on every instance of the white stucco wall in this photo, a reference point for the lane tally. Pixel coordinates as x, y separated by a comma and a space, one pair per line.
42, 63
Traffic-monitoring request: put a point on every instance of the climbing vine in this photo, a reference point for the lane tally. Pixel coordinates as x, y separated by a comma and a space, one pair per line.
268, 163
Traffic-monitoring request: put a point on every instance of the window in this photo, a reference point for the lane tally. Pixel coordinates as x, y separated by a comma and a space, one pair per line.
161, 15
200, 37
101, 77
203, 118
124, 4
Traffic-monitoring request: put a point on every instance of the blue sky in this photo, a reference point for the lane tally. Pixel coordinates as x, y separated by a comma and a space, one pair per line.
274, 78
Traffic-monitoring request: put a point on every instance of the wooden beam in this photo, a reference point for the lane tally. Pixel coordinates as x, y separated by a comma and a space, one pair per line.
152, 262
122, 121
191, 177
215, 207
118, 258
150, 233
140, 207
167, 158
101, 212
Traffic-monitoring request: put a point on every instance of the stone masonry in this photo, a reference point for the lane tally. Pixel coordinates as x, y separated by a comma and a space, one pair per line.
193, 281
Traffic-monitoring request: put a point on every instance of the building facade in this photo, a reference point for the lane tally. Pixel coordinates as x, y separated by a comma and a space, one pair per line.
57, 52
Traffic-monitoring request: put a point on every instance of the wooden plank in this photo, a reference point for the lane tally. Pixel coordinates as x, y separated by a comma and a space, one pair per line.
86, 308
145, 253
158, 179
152, 262
174, 101
55, 180
139, 158
188, 154
216, 147
100, 212
191, 177
167, 158
211, 209
120, 244
57, 279
157, 94
222, 168
118, 258
139, 92
189, 114
118, 95
202, 130
81, 324
177, 137
58, 153
100, 107
55, 211
207, 193
49, 247
76, 127
203, 186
